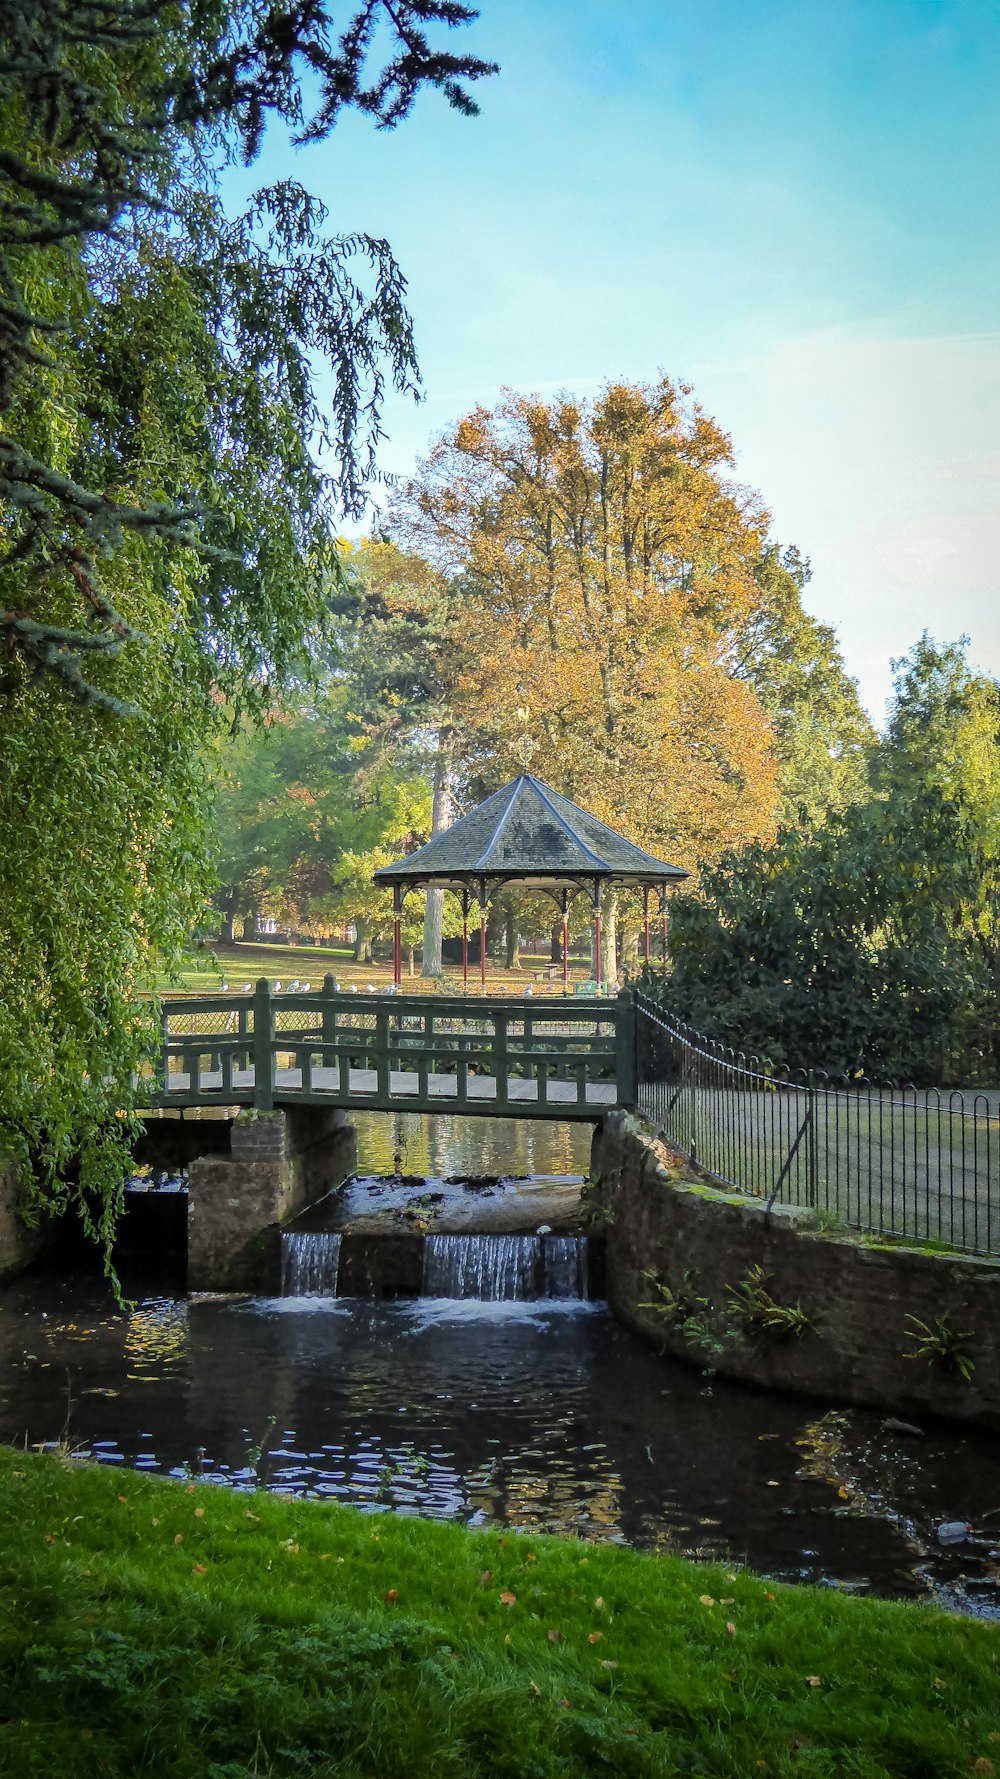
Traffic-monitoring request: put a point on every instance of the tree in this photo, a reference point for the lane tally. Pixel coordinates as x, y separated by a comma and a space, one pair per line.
396, 623
872, 943
164, 514
295, 800
609, 569
823, 738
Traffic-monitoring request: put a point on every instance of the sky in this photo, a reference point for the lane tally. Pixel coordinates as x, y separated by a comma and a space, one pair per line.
792, 206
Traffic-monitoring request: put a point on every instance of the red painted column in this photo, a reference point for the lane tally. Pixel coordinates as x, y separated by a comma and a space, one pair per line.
598, 964
482, 949
397, 938
465, 944
565, 946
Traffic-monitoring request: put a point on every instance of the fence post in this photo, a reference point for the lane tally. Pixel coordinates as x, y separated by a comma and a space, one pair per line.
626, 1072
263, 1056
812, 1163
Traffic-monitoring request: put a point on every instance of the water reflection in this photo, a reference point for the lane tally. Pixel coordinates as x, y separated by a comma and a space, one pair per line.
545, 1416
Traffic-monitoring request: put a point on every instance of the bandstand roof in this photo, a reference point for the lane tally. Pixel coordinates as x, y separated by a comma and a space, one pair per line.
528, 834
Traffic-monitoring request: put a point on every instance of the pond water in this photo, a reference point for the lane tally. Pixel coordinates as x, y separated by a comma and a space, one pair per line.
540, 1415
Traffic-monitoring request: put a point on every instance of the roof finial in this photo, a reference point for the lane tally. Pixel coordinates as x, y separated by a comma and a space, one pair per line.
524, 746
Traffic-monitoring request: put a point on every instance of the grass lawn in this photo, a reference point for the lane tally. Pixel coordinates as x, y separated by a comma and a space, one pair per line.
163, 1629
239, 963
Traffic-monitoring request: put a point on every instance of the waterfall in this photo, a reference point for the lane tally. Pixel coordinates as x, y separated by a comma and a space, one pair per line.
310, 1262
564, 1266
505, 1267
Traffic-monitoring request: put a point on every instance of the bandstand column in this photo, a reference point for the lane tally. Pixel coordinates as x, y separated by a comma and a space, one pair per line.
397, 936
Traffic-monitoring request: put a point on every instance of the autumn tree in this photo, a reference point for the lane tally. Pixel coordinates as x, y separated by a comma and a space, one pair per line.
609, 566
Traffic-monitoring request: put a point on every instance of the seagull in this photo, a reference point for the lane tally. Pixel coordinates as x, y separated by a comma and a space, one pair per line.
247, 986
277, 988
223, 987
292, 986
306, 986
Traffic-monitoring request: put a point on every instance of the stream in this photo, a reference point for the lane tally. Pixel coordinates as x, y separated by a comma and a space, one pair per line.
538, 1413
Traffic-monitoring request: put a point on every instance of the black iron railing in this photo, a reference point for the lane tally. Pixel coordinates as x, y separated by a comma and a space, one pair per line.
895, 1160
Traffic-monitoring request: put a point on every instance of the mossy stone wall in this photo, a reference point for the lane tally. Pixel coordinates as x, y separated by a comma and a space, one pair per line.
688, 1247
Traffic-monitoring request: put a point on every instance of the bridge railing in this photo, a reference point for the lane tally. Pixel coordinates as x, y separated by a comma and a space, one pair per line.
894, 1160
354, 1047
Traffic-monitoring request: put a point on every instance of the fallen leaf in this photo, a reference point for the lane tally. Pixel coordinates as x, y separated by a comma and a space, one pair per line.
706, 1600
845, 1494
156, 1522
199, 1513
599, 1602
595, 1636
199, 1569
768, 1596
531, 1557
813, 1680
190, 1489
555, 1636
291, 1547
51, 1538
324, 1556
983, 1765
939, 1683
485, 1575
391, 1596
536, 1689
774, 1485
731, 1628
508, 1599
607, 1664
178, 1538
566, 1705
728, 1601
507, 1639
122, 1497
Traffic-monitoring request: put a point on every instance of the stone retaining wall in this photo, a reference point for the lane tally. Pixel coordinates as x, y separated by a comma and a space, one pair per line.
19, 1246
277, 1162
701, 1243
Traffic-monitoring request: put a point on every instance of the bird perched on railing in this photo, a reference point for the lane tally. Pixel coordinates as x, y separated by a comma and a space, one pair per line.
306, 986
224, 987
246, 987
293, 986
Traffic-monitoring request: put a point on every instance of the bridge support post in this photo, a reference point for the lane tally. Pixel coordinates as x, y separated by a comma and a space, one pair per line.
277, 1162
263, 1055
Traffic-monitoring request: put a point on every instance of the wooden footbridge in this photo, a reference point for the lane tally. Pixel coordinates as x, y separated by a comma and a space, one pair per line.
489, 1056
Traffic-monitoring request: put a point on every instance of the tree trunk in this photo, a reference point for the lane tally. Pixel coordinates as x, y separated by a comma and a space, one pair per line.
249, 927
609, 941
442, 811
362, 942
510, 938
555, 941
227, 930
411, 962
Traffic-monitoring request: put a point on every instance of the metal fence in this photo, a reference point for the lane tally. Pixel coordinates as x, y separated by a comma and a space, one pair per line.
898, 1161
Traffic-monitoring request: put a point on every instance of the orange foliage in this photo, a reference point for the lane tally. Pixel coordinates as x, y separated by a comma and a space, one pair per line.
607, 572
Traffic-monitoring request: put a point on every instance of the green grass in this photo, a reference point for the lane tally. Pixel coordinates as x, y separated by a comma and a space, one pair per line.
153, 1628
239, 963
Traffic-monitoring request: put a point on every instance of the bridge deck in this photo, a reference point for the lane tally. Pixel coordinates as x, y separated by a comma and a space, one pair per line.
540, 1098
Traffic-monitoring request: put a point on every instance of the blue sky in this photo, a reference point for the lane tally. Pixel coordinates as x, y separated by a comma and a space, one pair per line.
792, 206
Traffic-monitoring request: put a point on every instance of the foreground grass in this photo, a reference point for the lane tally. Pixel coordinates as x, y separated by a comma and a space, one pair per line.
153, 1628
